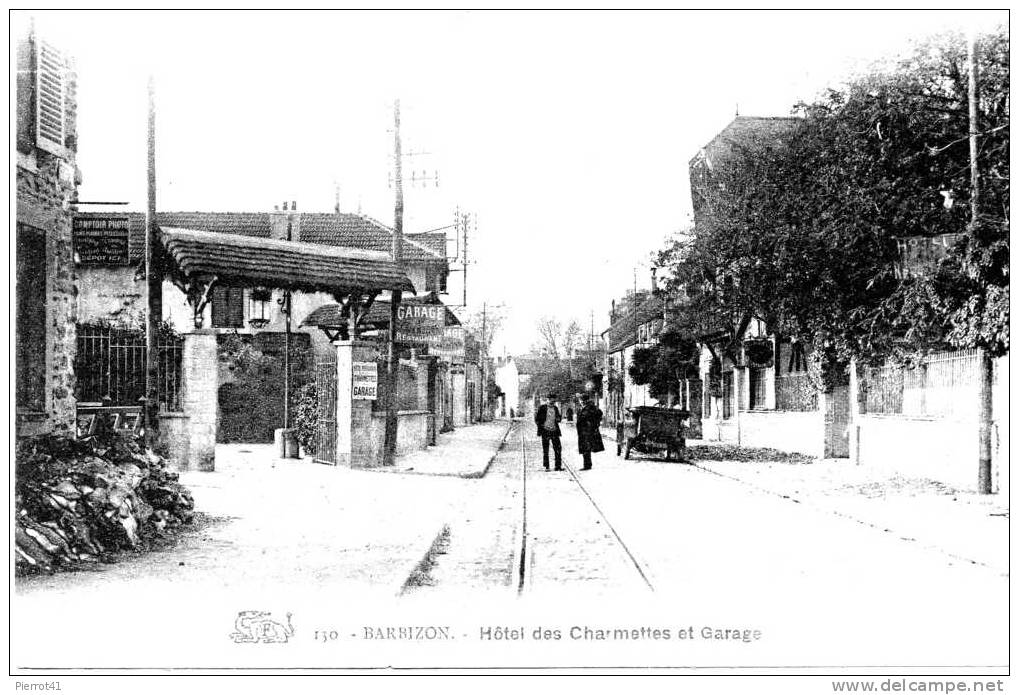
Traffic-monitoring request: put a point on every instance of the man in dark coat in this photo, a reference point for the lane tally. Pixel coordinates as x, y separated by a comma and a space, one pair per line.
588, 435
547, 419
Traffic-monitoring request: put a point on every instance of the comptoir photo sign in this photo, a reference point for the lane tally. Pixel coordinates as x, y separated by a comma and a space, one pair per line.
101, 241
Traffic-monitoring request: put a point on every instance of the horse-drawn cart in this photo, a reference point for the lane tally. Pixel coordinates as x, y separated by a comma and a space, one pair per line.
650, 429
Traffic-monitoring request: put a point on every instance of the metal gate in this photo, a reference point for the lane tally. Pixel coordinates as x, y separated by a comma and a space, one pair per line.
836, 423
109, 365
325, 439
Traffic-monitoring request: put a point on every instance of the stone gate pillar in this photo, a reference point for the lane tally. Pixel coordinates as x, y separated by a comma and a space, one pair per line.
737, 388
854, 412
358, 440
200, 369
426, 393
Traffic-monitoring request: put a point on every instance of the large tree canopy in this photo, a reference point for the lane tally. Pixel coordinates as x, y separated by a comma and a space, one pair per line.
804, 233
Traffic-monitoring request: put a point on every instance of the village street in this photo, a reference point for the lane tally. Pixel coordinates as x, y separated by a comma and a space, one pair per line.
335, 544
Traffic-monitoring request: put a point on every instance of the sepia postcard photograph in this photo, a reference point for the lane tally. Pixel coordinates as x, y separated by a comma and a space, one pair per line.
509, 343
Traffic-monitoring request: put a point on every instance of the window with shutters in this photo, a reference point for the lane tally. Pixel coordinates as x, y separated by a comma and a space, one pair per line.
435, 280
31, 318
227, 307
50, 97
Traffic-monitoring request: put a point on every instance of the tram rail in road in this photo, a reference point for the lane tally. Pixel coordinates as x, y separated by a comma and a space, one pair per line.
524, 551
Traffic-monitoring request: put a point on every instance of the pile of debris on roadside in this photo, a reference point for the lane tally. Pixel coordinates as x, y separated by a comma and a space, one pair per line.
86, 500
744, 454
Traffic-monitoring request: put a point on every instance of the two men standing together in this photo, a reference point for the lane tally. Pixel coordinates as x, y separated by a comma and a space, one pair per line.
589, 441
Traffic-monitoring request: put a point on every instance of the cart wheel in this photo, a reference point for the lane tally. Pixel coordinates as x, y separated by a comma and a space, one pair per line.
626, 454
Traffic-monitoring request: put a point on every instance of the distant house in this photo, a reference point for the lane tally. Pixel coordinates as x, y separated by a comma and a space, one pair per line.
531, 366
507, 377
636, 323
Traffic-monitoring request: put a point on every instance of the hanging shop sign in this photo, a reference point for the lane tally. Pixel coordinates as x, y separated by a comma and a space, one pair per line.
420, 324
101, 240
451, 347
366, 381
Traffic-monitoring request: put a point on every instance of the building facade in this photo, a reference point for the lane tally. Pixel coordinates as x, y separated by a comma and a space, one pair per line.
634, 325
47, 178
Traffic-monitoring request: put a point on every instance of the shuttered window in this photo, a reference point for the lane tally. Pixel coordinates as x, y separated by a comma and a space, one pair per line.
227, 307
51, 78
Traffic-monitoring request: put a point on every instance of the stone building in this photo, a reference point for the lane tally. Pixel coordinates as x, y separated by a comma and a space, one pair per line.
634, 324
113, 293
47, 178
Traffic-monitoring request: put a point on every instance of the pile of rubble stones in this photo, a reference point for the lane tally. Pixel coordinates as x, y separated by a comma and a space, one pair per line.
88, 500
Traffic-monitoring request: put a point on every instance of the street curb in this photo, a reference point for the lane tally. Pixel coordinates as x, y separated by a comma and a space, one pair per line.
452, 474
418, 575
502, 443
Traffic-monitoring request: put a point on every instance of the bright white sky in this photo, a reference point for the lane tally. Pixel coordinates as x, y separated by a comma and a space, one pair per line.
568, 134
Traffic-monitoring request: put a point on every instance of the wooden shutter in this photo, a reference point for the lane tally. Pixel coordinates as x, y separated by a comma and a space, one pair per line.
50, 97
227, 307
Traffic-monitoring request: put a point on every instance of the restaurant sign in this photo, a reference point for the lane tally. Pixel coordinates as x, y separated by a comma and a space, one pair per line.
451, 347
101, 240
420, 324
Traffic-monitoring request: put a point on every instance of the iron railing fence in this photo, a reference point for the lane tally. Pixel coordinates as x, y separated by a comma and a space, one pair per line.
110, 364
943, 385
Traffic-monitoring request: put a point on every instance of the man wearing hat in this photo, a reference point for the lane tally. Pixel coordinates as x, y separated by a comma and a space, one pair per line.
547, 419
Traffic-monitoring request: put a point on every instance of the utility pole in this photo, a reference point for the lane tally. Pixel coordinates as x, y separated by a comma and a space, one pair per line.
286, 333
986, 365
389, 447
153, 283
466, 223
484, 358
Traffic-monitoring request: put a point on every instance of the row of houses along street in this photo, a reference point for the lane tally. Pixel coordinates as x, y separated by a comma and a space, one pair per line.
286, 441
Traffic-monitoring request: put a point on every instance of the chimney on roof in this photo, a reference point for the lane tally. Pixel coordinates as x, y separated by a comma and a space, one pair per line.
286, 223
654, 280
336, 206
612, 313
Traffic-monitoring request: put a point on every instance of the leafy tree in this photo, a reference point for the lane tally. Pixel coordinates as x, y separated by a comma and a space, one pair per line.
803, 232
558, 381
485, 326
664, 365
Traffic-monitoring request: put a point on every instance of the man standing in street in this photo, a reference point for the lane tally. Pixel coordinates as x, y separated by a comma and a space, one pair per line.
588, 435
547, 419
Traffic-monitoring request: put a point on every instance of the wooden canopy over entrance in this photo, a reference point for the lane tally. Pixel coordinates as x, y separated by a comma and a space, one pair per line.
198, 260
